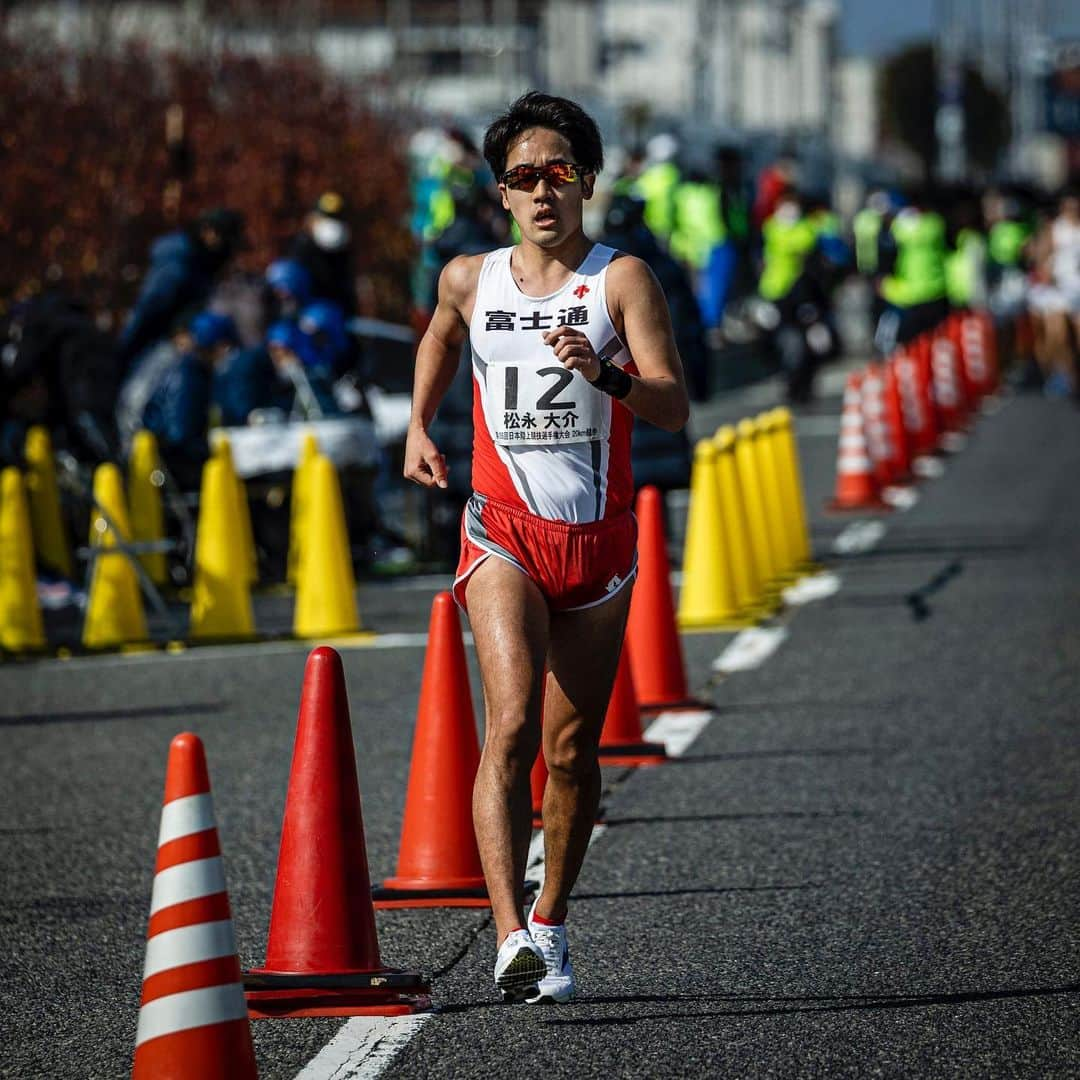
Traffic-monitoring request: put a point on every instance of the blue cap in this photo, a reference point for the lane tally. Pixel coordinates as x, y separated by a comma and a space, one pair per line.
284, 333
325, 319
210, 328
291, 277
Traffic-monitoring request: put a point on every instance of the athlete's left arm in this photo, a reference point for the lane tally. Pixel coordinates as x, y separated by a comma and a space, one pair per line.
635, 299
640, 314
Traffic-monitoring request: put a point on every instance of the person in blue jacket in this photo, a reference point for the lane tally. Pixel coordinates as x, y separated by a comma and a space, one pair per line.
178, 410
183, 268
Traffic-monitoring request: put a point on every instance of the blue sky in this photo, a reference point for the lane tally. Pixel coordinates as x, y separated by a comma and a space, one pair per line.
876, 27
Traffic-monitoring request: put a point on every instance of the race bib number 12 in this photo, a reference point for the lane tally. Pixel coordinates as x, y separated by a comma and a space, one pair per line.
542, 406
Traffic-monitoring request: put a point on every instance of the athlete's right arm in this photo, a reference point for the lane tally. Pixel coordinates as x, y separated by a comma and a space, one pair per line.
436, 363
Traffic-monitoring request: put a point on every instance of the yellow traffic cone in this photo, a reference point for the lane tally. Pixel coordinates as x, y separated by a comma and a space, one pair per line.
114, 611
762, 542
221, 600
145, 481
21, 627
301, 483
769, 472
46, 521
747, 586
326, 591
223, 450
707, 597
789, 458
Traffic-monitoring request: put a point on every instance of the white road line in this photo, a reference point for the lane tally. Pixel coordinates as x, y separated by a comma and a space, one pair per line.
815, 587
677, 730
750, 649
859, 537
362, 1048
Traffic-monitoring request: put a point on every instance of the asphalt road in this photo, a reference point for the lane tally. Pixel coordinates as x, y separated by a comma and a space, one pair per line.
866, 865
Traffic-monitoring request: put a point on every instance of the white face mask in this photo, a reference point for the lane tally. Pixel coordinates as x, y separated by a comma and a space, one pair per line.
788, 212
330, 234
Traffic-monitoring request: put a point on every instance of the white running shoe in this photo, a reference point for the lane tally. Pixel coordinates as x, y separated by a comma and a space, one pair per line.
519, 966
558, 984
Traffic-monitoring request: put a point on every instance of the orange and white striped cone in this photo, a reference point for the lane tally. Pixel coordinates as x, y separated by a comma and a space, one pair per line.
877, 431
856, 488
917, 414
990, 351
894, 418
193, 1017
948, 392
973, 356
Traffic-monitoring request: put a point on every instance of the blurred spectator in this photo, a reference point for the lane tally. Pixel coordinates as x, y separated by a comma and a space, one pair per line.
797, 276
773, 182
289, 288
698, 232
303, 388
965, 260
184, 267
911, 255
58, 369
324, 249
657, 182
178, 407
1055, 298
324, 340
244, 382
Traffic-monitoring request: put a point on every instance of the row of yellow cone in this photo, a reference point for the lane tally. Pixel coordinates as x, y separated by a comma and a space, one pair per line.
225, 564
746, 529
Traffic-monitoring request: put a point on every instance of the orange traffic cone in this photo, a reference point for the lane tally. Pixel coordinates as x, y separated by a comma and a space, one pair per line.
652, 637
322, 952
856, 488
193, 1020
621, 740
915, 408
948, 389
438, 860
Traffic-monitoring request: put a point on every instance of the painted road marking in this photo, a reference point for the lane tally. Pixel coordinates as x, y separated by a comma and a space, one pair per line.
859, 537
677, 730
363, 1047
750, 649
815, 587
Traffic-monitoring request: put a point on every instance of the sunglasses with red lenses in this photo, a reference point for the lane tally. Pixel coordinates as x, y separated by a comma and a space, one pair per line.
525, 177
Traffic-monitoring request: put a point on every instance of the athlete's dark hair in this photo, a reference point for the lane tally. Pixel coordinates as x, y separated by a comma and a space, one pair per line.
534, 109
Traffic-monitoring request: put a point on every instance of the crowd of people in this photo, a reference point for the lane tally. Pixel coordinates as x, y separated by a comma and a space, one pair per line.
735, 254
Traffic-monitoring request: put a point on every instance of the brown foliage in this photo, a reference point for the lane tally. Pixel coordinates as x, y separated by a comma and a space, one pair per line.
89, 179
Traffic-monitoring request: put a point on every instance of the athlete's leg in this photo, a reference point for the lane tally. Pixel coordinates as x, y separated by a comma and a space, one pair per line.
583, 656
509, 619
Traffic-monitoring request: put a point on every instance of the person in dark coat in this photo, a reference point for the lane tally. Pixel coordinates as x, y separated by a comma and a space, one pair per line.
57, 368
184, 267
179, 407
324, 249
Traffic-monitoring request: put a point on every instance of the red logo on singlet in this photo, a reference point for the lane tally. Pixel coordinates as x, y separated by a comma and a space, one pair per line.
581, 290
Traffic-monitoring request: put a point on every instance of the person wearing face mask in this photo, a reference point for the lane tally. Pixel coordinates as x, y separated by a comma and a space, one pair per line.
324, 249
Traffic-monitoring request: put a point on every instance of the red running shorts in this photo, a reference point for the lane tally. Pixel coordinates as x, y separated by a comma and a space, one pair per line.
575, 566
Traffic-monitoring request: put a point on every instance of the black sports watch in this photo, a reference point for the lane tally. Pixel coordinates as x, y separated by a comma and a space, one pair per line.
612, 379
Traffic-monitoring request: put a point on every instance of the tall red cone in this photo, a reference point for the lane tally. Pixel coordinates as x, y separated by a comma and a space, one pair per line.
322, 953
621, 740
856, 487
652, 637
898, 436
438, 860
193, 1020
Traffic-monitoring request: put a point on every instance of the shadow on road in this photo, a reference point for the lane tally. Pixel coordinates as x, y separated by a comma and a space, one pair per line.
775, 1005
91, 715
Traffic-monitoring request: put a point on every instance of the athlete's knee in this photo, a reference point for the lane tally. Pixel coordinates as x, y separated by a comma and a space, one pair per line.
511, 737
572, 756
